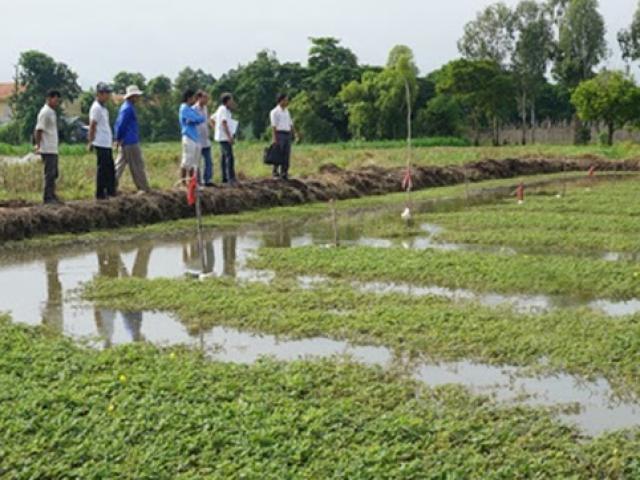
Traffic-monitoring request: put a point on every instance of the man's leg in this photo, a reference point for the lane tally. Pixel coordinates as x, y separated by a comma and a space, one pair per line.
121, 163
224, 162
231, 164
208, 165
101, 187
50, 175
109, 173
286, 156
136, 165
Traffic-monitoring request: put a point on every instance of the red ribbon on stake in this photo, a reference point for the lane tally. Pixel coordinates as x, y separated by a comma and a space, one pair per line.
520, 193
407, 180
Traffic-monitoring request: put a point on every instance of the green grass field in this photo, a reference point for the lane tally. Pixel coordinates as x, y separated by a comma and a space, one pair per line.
77, 168
139, 411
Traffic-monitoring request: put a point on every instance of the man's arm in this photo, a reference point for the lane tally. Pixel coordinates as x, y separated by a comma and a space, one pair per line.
93, 125
225, 126
212, 122
38, 140
193, 117
122, 123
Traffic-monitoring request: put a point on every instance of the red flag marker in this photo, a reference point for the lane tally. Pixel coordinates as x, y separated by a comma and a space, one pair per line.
191, 190
520, 193
407, 181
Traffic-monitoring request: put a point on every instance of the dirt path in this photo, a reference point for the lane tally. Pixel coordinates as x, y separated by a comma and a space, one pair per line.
19, 220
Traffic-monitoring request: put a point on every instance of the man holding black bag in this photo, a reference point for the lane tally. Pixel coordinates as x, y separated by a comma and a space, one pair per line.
283, 135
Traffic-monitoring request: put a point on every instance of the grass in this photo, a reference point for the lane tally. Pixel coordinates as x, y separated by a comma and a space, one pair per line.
162, 161
578, 341
485, 272
604, 218
141, 412
298, 213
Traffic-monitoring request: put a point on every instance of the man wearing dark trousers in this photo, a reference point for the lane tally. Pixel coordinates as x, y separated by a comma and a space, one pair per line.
283, 135
225, 130
101, 139
46, 144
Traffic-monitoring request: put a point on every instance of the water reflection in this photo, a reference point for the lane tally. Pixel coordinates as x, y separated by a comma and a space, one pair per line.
52, 315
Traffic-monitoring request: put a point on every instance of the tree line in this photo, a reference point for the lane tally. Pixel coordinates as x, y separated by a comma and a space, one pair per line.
517, 66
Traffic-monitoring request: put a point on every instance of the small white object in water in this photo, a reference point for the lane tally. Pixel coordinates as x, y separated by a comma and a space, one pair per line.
520, 202
406, 215
558, 196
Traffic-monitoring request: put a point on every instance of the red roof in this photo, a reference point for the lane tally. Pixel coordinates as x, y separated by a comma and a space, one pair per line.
6, 90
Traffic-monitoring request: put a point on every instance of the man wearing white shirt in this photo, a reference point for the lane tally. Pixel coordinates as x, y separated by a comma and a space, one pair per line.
225, 128
101, 139
47, 144
283, 135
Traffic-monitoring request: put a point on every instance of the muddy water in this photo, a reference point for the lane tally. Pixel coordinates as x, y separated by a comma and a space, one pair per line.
39, 289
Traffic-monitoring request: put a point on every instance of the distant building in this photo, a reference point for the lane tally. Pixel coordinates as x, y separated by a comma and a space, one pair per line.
6, 91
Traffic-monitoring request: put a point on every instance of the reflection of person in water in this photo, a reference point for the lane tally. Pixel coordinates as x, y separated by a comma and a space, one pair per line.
229, 252
52, 314
110, 264
191, 256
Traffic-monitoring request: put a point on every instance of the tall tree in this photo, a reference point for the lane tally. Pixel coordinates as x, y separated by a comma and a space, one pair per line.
489, 36
330, 67
36, 74
581, 42
531, 56
581, 47
629, 39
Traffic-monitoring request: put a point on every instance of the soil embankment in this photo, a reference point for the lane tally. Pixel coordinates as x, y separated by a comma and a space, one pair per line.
19, 220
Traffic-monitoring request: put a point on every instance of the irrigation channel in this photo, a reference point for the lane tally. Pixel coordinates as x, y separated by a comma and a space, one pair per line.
40, 288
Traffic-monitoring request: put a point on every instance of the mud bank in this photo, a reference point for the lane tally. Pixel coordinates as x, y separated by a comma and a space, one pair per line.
19, 220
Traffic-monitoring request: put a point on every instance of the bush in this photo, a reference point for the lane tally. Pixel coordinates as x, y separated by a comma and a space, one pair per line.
10, 133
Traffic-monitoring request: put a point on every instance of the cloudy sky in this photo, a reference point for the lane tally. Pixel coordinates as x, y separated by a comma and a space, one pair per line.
98, 39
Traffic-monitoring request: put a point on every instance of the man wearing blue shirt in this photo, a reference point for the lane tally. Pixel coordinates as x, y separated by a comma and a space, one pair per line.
128, 141
189, 120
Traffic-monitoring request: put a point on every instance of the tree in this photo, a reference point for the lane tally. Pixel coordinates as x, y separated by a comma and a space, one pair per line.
531, 56
158, 111
123, 79
159, 86
629, 39
330, 67
581, 47
483, 89
37, 73
581, 42
256, 89
489, 36
313, 128
610, 97
377, 104
443, 116
188, 78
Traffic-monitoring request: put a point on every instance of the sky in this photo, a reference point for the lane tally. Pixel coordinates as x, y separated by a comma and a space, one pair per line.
99, 39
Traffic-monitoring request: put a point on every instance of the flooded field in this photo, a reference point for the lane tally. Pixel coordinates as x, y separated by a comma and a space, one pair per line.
42, 288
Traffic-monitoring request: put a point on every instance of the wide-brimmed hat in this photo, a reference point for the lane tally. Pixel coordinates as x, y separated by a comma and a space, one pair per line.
132, 91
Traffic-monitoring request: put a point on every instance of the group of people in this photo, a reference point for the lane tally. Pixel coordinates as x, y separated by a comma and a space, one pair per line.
195, 126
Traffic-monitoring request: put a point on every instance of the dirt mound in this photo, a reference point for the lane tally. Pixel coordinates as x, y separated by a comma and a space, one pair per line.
19, 220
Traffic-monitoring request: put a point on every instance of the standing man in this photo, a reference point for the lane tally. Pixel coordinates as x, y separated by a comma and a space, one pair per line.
202, 100
283, 135
189, 120
128, 140
225, 129
47, 144
101, 138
